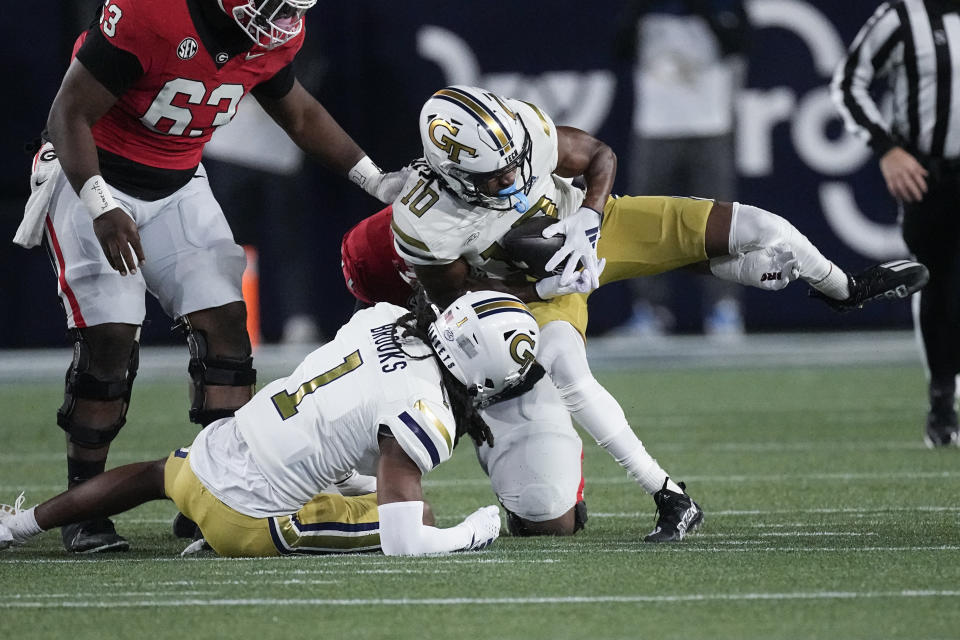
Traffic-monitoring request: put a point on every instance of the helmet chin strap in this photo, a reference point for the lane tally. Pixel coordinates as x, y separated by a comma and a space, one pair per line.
522, 204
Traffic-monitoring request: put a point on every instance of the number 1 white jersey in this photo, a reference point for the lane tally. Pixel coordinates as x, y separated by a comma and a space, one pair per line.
433, 226
314, 426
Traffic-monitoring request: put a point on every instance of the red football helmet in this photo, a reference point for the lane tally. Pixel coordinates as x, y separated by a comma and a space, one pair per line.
269, 23
371, 267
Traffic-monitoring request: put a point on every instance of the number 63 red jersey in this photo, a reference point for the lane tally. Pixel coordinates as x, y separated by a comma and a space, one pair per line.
186, 91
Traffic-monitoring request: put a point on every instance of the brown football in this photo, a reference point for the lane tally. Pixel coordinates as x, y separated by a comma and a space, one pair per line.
525, 245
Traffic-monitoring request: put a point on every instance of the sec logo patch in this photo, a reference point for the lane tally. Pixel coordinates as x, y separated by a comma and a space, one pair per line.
187, 49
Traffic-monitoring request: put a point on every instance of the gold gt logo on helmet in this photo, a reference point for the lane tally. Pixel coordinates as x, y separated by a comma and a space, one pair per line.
525, 341
448, 144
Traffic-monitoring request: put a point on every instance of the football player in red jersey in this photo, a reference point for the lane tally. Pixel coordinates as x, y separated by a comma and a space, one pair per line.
129, 208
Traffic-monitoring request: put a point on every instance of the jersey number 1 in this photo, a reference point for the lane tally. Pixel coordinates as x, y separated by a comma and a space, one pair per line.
287, 403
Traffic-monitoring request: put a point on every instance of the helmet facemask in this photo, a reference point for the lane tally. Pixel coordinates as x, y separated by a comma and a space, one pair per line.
271, 23
512, 197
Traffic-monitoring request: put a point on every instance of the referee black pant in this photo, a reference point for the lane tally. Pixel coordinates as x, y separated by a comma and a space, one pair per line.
931, 230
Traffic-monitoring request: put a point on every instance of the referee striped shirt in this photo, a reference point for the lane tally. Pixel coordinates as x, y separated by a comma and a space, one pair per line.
915, 46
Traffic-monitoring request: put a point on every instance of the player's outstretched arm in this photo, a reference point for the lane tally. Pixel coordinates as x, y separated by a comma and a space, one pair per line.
401, 507
314, 130
80, 102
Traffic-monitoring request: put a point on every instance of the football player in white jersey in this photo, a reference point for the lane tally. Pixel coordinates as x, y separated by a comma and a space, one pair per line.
390, 395
491, 163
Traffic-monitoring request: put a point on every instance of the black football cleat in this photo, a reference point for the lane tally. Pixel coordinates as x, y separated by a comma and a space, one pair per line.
942, 429
892, 280
677, 515
92, 536
184, 527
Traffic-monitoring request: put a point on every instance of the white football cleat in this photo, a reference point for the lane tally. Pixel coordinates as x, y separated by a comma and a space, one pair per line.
7, 512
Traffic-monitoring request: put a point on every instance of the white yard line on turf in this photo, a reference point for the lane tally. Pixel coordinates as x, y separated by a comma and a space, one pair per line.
745, 546
535, 600
728, 479
117, 457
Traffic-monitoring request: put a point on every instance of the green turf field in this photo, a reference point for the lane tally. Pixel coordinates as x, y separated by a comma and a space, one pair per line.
825, 518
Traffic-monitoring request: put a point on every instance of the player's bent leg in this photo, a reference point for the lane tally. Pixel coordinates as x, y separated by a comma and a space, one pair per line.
228, 532
97, 391
115, 491
563, 354
646, 235
221, 361
764, 250
735, 230
329, 523
535, 468
109, 493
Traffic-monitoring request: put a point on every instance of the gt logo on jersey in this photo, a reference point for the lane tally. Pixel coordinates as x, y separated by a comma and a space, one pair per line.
448, 144
526, 343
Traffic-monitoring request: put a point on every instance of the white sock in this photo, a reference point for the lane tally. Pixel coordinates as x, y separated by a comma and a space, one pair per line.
753, 228
600, 414
627, 449
834, 285
23, 525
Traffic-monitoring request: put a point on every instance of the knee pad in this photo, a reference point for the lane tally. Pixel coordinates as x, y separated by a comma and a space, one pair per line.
215, 371
753, 228
79, 384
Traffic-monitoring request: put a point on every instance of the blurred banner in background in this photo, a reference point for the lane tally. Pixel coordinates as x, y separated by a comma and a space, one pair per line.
373, 63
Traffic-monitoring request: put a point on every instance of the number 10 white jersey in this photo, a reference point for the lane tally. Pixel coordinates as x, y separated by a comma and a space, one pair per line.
433, 226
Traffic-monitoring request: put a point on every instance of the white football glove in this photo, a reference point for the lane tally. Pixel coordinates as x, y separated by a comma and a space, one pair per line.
582, 230
583, 282
771, 268
484, 524
386, 186
355, 483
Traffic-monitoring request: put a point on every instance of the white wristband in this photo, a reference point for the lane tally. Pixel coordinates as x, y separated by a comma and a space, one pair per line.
402, 532
95, 194
363, 172
541, 287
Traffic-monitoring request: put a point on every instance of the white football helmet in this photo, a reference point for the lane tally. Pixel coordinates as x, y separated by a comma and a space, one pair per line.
269, 23
488, 340
469, 136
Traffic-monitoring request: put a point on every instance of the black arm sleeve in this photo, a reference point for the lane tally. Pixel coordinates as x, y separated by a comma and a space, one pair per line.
114, 68
277, 86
